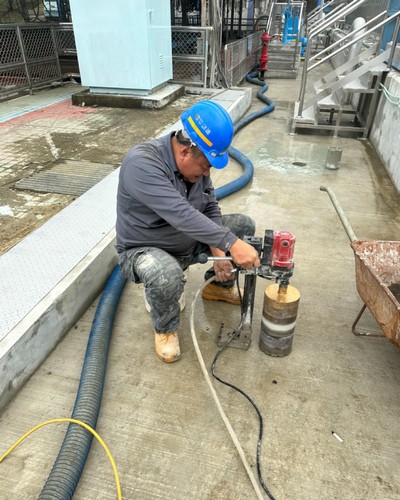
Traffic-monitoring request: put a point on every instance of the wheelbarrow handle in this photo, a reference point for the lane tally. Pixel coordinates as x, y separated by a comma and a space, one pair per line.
341, 214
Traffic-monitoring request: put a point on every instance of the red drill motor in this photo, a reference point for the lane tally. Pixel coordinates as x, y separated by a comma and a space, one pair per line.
277, 255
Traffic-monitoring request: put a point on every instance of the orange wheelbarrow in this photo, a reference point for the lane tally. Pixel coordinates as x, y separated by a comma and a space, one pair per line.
377, 266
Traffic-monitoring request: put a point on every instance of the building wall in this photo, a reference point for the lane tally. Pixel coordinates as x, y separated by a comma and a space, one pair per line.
385, 132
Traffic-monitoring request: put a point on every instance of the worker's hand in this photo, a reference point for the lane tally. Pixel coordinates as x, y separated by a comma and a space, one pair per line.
244, 255
223, 270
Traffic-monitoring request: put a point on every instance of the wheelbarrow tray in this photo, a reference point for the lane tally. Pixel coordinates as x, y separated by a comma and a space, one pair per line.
377, 267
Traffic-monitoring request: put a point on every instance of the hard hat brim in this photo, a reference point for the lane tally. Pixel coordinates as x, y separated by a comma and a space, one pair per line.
220, 161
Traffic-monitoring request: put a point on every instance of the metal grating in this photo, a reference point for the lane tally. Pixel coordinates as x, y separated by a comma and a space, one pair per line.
188, 73
24, 46
41, 73
10, 51
190, 55
14, 78
69, 177
65, 40
28, 58
188, 43
38, 43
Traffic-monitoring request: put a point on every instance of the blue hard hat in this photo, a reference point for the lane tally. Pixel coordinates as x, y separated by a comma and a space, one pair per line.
209, 126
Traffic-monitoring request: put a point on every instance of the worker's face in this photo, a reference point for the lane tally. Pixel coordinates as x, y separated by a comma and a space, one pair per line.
193, 165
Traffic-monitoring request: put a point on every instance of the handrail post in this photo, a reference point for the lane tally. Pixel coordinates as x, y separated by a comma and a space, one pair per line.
304, 80
24, 58
394, 41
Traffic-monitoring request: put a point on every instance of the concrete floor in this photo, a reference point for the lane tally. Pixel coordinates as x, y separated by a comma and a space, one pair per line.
160, 421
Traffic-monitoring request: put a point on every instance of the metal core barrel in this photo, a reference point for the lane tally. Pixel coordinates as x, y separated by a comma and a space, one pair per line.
279, 319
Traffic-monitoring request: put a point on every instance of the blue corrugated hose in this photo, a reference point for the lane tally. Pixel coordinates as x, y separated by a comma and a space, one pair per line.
248, 168
69, 464
72, 456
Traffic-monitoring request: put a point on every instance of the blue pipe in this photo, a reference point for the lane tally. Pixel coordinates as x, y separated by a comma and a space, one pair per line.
69, 464
247, 165
67, 469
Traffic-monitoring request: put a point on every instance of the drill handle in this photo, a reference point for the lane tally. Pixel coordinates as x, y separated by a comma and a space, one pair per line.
203, 258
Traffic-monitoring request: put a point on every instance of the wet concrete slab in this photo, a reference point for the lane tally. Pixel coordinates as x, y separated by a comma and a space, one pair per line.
160, 421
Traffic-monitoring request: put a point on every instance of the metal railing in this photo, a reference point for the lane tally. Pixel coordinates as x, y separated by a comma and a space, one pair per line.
240, 57
280, 13
30, 55
337, 47
191, 51
28, 58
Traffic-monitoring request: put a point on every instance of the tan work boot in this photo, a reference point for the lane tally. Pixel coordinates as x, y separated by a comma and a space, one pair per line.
167, 347
214, 292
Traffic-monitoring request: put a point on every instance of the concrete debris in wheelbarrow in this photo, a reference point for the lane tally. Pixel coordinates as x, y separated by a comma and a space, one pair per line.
377, 267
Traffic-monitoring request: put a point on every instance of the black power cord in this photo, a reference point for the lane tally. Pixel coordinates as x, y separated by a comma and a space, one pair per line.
235, 334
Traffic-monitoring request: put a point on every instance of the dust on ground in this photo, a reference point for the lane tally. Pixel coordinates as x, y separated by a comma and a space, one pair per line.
35, 141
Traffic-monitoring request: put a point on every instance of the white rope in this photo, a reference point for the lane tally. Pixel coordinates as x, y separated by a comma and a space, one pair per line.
216, 400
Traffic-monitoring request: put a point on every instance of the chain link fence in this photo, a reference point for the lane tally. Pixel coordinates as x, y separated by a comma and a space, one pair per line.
28, 58
190, 54
240, 57
29, 55
65, 39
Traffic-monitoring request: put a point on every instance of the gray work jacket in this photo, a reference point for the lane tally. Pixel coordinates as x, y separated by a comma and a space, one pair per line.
154, 207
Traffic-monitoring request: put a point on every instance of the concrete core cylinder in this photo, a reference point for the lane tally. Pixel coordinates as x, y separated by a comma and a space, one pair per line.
333, 158
278, 319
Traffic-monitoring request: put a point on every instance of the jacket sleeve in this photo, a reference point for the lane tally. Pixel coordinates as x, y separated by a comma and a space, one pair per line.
148, 183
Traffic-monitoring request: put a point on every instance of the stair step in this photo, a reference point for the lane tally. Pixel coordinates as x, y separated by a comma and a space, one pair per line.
378, 69
283, 48
329, 102
282, 73
355, 86
279, 65
283, 57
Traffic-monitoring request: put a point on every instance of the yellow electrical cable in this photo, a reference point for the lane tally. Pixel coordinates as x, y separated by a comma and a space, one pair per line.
78, 422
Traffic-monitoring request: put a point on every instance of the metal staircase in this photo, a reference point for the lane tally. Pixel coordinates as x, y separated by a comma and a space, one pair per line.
285, 22
345, 99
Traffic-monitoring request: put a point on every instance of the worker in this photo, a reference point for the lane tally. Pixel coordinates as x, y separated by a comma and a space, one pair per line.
167, 215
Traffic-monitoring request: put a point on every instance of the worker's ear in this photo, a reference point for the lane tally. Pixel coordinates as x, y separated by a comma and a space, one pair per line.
185, 151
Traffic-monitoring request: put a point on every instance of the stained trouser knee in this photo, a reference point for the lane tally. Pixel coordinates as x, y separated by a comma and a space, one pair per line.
163, 280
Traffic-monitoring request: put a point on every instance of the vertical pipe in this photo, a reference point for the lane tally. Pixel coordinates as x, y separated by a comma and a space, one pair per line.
232, 17
248, 301
203, 13
394, 42
172, 7
240, 19
304, 79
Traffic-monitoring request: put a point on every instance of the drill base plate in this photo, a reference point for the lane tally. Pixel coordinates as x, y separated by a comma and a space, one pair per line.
241, 342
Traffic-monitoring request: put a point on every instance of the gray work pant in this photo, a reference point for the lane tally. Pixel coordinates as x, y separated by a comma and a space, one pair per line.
162, 274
